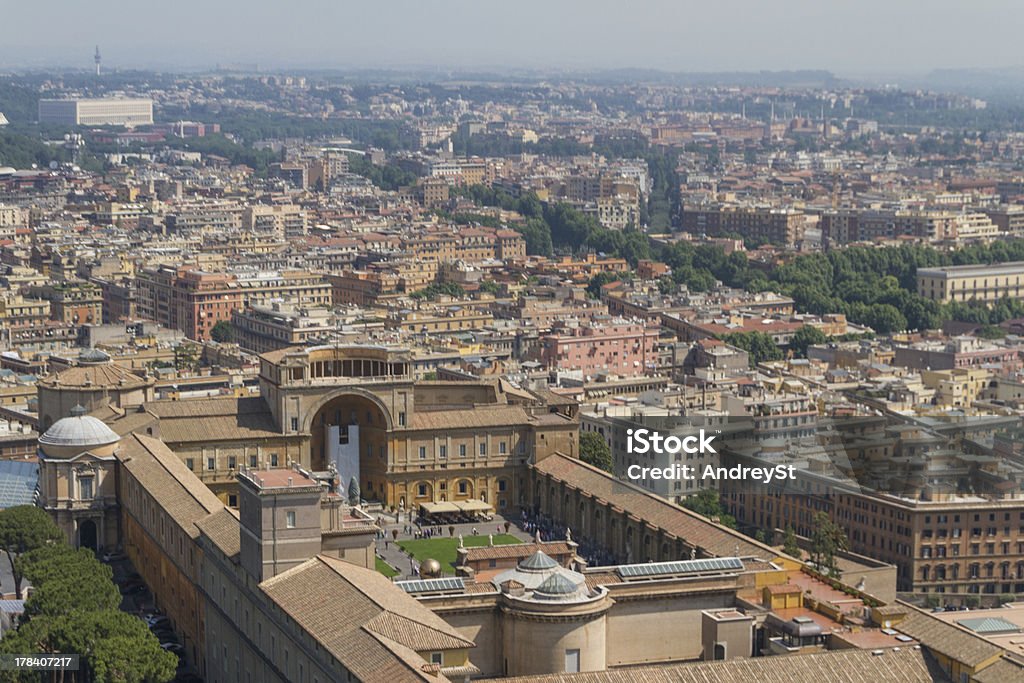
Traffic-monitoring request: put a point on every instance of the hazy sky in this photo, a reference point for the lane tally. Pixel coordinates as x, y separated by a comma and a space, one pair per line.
850, 37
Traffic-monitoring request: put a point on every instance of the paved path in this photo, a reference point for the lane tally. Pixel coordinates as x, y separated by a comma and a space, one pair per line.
388, 549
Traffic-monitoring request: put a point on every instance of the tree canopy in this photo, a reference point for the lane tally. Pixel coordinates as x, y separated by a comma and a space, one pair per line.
24, 528
594, 451
708, 503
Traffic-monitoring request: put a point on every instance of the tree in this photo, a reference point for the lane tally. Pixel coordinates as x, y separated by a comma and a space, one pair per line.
827, 540
354, 494
223, 332
706, 502
24, 528
74, 608
594, 451
759, 345
789, 544
804, 337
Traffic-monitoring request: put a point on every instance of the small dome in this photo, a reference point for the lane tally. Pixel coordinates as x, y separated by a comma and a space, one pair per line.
88, 356
557, 584
81, 430
537, 562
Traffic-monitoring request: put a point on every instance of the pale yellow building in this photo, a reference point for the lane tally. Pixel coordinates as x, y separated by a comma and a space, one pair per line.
988, 283
958, 387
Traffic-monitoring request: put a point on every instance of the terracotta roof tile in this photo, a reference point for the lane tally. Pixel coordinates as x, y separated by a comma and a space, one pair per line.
838, 666
948, 639
689, 526
382, 626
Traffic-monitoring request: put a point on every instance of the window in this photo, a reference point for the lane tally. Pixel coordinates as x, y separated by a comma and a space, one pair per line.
211, 463
290, 519
231, 462
462, 450
190, 463
483, 449
463, 487
421, 490
401, 419
443, 451
252, 461
423, 452
85, 488
295, 424
273, 459
435, 658
502, 447
232, 500
572, 661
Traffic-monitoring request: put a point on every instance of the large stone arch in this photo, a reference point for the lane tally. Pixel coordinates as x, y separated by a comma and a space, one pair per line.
351, 427
328, 396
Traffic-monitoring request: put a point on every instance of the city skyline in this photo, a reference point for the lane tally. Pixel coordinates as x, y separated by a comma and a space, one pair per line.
872, 39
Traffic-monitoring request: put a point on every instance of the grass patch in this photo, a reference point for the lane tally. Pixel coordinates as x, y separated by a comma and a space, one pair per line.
385, 568
444, 549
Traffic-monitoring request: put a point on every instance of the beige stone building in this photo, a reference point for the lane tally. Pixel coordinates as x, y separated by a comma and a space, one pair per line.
986, 283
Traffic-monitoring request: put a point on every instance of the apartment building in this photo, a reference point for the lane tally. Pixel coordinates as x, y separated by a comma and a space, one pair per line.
983, 282
616, 347
281, 221
259, 329
187, 299
107, 111
777, 226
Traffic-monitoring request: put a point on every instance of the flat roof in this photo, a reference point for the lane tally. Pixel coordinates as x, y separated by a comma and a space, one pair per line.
1009, 268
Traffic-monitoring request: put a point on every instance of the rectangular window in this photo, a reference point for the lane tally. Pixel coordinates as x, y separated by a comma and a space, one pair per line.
502, 447
252, 461
290, 519
435, 658
423, 452
211, 464
462, 450
401, 419
231, 462
483, 449
273, 459
85, 486
190, 463
443, 451
295, 424
572, 661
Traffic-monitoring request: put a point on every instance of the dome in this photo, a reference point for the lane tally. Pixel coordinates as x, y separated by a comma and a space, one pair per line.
537, 562
80, 431
93, 356
556, 585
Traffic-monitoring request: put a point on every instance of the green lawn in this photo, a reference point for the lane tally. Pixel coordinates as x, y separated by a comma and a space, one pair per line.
385, 568
443, 549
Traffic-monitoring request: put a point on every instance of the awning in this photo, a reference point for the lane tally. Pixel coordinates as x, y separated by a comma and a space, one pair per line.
438, 508
474, 505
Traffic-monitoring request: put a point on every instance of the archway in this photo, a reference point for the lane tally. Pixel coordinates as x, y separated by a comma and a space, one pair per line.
350, 430
87, 535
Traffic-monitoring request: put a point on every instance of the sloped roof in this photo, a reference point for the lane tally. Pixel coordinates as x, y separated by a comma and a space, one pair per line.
224, 530
949, 639
382, 627
94, 377
174, 487
837, 666
213, 419
689, 526
478, 418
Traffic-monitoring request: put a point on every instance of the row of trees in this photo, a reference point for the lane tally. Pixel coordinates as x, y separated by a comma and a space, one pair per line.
73, 606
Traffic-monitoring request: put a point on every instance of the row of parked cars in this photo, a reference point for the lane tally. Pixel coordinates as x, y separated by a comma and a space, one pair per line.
134, 589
